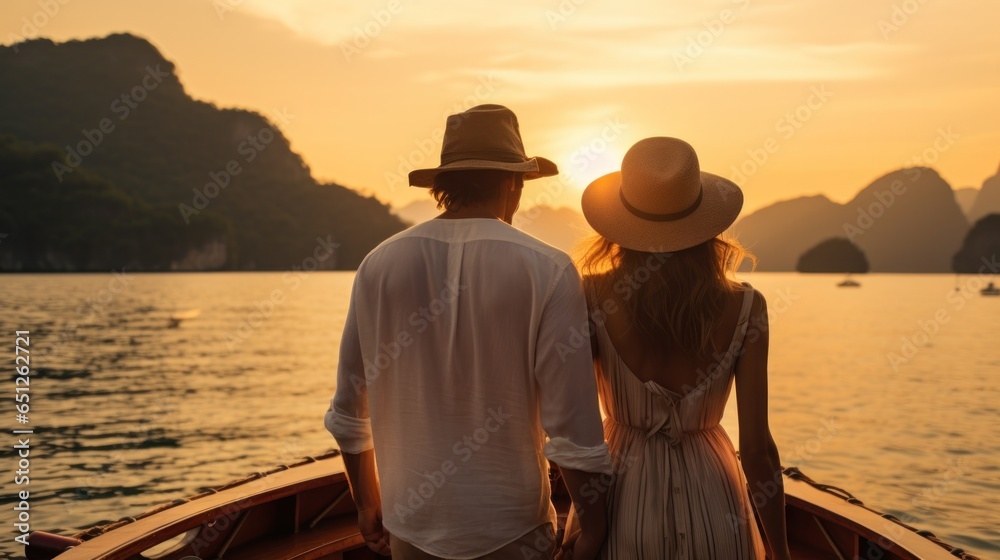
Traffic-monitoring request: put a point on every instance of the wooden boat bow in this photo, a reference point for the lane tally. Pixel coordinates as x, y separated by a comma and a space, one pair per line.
304, 511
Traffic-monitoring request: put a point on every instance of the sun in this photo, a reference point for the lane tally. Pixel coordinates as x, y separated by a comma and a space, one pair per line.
589, 161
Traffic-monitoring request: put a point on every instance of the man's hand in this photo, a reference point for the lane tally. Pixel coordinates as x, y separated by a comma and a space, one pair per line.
580, 546
588, 546
588, 524
362, 475
376, 536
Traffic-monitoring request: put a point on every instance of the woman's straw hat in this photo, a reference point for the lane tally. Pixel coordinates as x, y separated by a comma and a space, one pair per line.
661, 201
484, 137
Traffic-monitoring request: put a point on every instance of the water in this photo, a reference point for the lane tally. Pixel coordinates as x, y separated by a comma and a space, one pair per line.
130, 414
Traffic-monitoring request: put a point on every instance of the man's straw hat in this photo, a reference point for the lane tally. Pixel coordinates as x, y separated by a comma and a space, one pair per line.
484, 137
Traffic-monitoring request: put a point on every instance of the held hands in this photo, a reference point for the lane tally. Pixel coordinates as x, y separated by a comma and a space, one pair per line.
580, 546
375, 535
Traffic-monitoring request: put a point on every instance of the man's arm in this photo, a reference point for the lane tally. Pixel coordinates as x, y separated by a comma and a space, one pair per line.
589, 494
363, 479
569, 409
348, 420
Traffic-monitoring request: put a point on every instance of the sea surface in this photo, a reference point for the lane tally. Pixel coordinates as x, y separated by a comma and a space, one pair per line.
891, 390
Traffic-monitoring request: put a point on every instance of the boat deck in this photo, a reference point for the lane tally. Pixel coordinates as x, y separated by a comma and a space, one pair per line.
305, 512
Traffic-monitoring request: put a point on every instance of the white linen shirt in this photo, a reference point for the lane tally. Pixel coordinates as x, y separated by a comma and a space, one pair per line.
465, 362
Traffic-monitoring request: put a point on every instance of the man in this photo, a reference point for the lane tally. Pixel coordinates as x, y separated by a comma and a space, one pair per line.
465, 365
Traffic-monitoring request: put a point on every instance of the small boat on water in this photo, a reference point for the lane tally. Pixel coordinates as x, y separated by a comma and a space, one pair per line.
990, 290
176, 319
304, 511
849, 283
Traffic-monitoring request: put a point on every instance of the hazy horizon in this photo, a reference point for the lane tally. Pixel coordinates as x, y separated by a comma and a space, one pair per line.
826, 97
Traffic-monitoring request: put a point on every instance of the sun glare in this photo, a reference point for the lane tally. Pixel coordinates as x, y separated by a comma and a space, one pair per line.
590, 161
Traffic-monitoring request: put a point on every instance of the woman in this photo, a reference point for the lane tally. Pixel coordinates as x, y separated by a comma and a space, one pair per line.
671, 333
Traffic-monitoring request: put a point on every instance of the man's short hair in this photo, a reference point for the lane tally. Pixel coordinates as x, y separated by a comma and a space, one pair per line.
454, 190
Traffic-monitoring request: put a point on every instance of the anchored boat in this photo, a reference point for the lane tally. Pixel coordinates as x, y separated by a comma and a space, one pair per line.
304, 511
990, 290
849, 283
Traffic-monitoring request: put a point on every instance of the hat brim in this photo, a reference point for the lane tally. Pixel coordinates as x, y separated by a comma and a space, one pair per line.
533, 168
603, 208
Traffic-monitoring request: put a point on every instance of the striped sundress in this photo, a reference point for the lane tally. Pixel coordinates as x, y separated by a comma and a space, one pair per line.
678, 489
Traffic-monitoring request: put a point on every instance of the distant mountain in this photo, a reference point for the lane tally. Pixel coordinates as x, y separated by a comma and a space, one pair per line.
561, 227
417, 211
220, 188
966, 197
905, 221
981, 248
920, 225
86, 223
778, 234
834, 255
988, 200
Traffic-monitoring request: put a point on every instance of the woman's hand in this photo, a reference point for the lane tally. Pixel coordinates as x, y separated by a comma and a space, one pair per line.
587, 547
565, 550
580, 546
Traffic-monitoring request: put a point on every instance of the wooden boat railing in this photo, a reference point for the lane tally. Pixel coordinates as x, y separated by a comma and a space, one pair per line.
795, 474
304, 511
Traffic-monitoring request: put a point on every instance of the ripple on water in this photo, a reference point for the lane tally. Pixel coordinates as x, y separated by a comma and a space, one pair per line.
132, 414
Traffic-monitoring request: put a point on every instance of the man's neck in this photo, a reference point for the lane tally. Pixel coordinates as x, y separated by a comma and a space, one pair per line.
481, 211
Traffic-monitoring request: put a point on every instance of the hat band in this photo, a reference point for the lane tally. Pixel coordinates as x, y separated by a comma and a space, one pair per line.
674, 216
505, 157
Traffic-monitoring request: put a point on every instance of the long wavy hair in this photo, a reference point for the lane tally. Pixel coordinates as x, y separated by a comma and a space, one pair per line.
677, 296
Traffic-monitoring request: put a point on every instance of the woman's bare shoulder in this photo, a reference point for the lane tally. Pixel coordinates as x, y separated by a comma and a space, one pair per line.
741, 288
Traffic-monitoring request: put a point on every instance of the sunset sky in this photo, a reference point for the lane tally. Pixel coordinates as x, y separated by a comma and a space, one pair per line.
839, 91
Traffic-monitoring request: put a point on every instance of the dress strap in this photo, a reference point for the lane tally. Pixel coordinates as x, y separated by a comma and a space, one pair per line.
742, 325
589, 291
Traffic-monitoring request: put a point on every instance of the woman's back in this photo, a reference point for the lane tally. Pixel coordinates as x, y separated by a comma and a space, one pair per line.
679, 491
664, 360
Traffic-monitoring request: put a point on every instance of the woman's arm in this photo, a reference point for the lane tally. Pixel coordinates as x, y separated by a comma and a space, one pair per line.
758, 452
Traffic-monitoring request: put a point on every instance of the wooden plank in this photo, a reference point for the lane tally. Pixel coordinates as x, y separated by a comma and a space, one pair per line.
335, 535
860, 521
132, 539
325, 480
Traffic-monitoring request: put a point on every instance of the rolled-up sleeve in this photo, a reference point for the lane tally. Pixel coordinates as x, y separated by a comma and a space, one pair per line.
564, 371
347, 418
